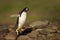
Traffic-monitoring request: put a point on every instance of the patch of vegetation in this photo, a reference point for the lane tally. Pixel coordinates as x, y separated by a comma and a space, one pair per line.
39, 9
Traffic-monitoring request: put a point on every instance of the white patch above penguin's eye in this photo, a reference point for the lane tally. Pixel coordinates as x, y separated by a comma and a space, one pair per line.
27, 9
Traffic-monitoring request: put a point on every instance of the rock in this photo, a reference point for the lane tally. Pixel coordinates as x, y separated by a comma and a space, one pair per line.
51, 29
52, 36
11, 36
3, 28
2, 39
54, 27
39, 23
23, 38
58, 36
3, 33
11, 29
36, 35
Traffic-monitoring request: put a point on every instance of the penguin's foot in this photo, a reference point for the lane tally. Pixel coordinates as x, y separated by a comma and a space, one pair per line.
19, 30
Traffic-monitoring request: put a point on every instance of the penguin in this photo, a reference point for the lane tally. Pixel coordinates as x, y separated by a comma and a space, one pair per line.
21, 20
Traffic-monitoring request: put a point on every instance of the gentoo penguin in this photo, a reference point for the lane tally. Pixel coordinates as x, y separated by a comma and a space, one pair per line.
21, 19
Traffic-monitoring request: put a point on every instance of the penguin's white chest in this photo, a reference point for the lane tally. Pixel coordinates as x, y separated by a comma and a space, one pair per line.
22, 19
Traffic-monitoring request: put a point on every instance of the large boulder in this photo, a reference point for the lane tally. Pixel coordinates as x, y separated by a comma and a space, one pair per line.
23, 37
39, 23
38, 34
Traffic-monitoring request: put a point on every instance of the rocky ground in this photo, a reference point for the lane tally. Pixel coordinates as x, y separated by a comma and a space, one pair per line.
38, 30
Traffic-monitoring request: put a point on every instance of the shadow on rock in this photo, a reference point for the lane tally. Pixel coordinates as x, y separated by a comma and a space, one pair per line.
25, 32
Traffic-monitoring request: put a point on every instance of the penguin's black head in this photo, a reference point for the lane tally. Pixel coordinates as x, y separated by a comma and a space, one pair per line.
26, 9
